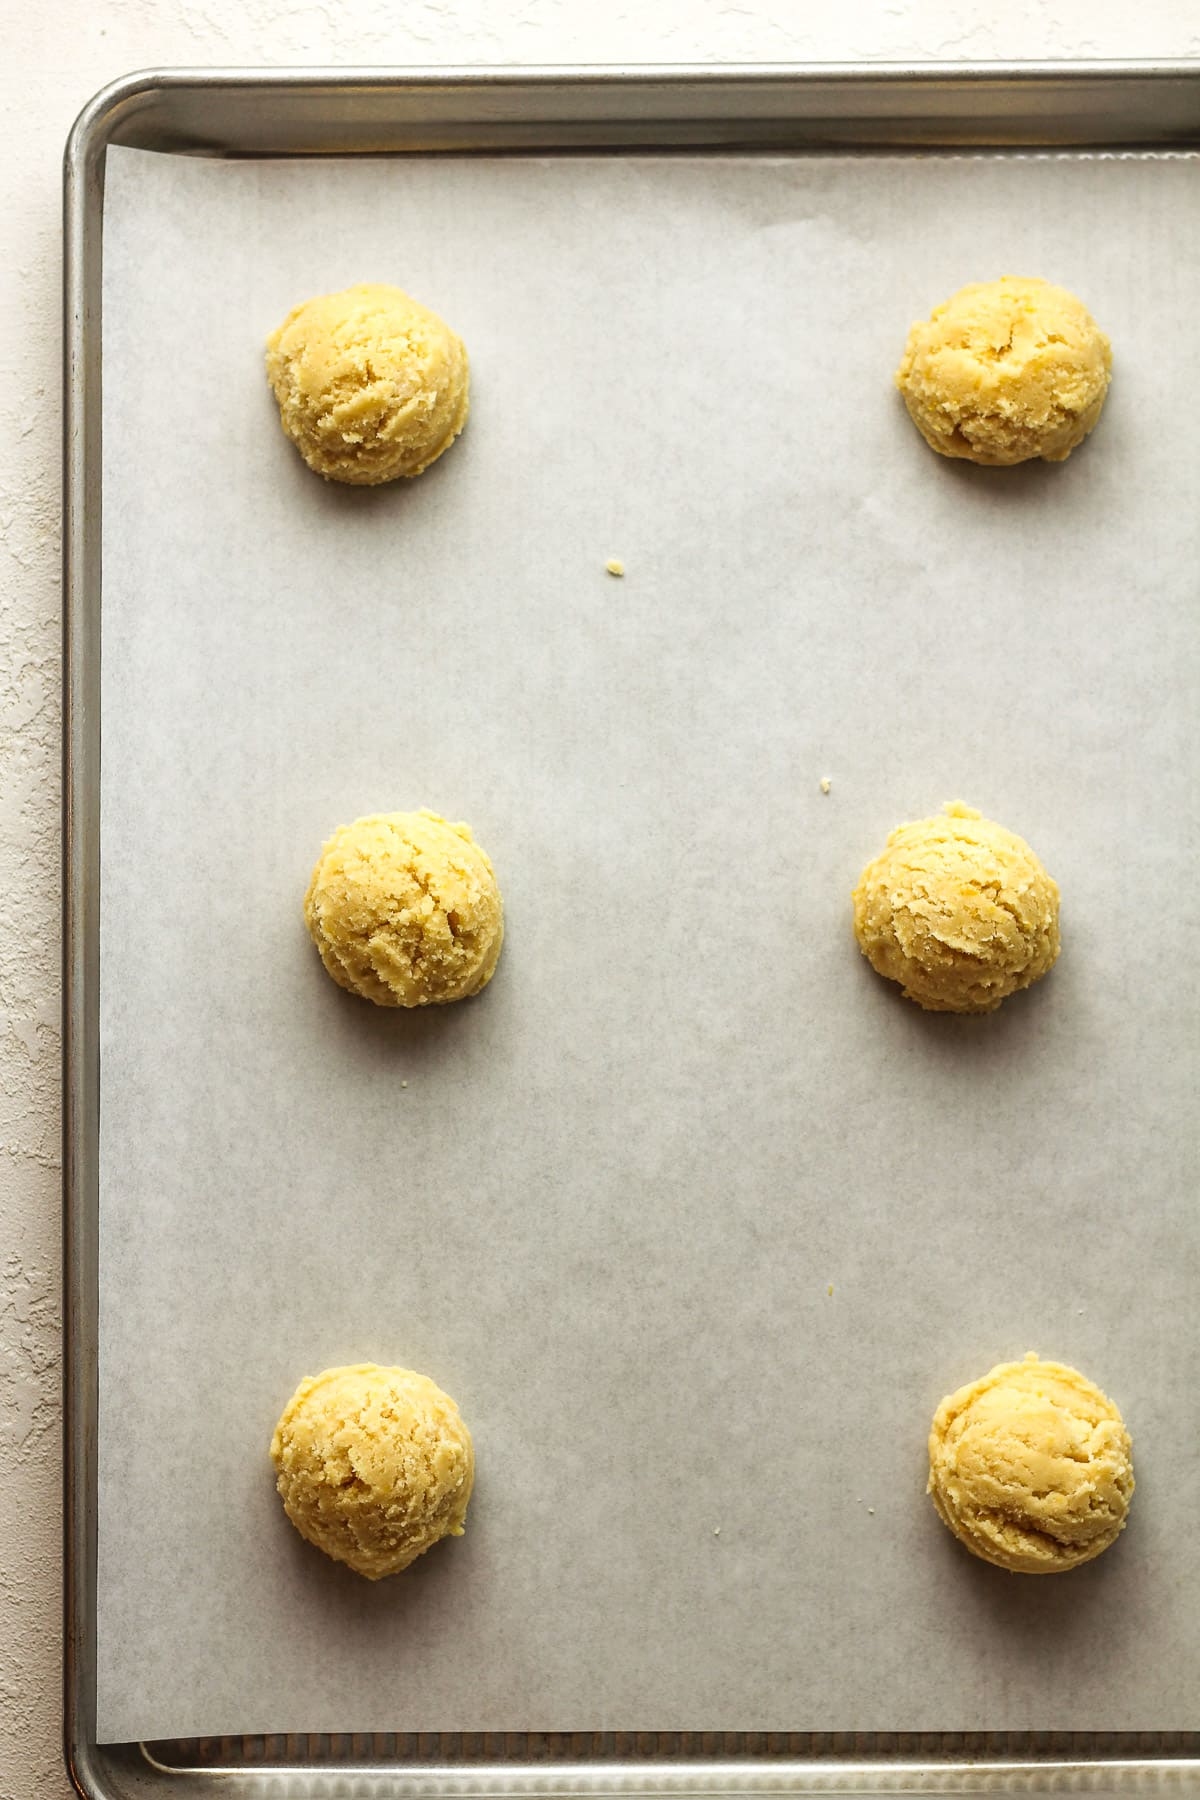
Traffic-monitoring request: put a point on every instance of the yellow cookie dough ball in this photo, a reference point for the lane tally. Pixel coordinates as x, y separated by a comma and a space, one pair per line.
1006, 370
1030, 1467
405, 910
373, 1466
959, 911
370, 384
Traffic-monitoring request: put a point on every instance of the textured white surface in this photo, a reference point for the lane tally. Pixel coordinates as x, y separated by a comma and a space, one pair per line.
56, 55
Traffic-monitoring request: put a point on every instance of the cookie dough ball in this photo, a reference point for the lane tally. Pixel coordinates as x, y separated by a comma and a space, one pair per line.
1006, 370
373, 1466
1030, 1467
959, 911
405, 910
370, 384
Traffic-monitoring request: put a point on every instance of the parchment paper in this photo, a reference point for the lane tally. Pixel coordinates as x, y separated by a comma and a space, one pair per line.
603, 1205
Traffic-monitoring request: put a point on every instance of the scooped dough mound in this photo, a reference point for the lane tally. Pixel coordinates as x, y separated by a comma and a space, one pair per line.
370, 384
405, 910
1006, 370
959, 911
1030, 1467
373, 1466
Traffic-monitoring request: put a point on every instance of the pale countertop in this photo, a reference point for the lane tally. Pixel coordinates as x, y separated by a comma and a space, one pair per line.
58, 55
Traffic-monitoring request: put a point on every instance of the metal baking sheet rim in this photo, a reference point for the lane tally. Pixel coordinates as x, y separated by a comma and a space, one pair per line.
1113, 107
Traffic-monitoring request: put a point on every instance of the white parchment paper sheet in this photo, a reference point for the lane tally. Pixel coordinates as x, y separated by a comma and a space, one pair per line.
607, 1207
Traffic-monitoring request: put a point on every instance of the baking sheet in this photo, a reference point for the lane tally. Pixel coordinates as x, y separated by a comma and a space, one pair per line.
607, 1207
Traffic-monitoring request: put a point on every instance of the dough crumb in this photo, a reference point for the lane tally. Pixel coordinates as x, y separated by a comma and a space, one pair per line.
405, 911
829, 1290
615, 566
716, 1531
371, 385
374, 1466
826, 784
959, 911
1005, 371
1031, 1467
